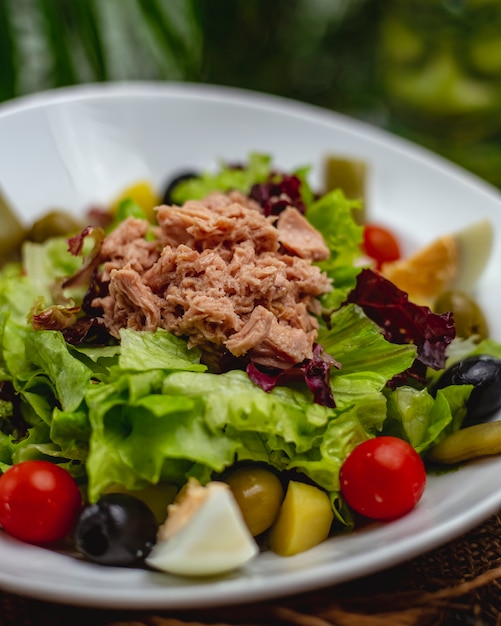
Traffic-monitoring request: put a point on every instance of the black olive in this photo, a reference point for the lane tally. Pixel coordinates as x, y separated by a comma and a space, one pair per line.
172, 184
119, 529
484, 373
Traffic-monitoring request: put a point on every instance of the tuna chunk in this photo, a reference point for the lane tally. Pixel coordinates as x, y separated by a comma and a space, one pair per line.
128, 245
221, 274
130, 303
298, 236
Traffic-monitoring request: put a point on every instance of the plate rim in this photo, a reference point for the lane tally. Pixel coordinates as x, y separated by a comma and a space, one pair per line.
244, 97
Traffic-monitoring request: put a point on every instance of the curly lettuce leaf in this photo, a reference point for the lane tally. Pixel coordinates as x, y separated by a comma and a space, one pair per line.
358, 344
156, 350
332, 215
423, 421
201, 423
228, 178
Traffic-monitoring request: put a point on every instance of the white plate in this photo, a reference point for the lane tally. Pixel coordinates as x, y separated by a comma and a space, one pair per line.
51, 155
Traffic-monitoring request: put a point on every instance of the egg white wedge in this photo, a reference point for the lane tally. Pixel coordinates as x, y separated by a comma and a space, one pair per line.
474, 243
209, 536
453, 261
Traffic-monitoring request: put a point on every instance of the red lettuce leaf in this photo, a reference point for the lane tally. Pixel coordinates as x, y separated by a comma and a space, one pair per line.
315, 372
75, 247
403, 321
90, 330
276, 195
55, 317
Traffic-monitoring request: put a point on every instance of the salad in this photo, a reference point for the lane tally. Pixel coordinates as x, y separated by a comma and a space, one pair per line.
238, 335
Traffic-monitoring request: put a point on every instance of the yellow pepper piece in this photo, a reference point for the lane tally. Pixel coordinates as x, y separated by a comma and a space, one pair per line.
304, 520
143, 193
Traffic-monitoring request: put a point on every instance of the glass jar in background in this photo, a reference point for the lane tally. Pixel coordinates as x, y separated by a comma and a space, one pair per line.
439, 69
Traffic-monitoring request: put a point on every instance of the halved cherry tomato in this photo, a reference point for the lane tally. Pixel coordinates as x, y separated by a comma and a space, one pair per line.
383, 478
39, 502
380, 244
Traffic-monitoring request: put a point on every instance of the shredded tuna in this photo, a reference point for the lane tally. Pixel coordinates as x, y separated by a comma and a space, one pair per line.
298, 236
220, 273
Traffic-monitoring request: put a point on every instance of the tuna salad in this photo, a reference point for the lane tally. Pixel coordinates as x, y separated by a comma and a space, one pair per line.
235, 331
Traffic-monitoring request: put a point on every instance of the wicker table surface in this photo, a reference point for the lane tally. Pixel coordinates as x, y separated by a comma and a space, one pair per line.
456, 584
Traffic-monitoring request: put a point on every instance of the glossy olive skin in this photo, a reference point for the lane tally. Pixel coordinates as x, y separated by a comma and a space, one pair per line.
484, 373
172, 184
119, 529
259, 495
468, 316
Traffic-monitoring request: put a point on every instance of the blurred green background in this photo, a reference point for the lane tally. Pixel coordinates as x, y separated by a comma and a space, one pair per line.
429, 70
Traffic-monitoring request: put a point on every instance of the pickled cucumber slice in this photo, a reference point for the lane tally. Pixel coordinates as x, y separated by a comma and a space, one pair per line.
349, 175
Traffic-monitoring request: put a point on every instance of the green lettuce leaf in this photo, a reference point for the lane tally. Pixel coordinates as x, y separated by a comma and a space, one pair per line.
423, 421
332, 215
228, 178
156, 350
358, 344
153, 425
47, 264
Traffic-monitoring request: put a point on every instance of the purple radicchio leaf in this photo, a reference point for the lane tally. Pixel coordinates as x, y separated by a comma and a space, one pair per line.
276, 195
403, 321
315, 372
91, 261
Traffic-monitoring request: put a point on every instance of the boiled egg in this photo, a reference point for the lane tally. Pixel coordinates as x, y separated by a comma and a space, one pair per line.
204, 533
453, 261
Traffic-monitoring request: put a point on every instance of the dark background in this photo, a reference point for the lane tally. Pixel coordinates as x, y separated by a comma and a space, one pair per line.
429, 70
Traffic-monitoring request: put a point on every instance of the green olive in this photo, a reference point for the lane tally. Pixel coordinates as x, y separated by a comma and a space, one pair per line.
53, 224
259, 494
158, 497
468, 316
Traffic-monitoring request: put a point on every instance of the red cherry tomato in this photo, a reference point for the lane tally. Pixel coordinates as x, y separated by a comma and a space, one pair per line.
380, 244
383, 478
39, 502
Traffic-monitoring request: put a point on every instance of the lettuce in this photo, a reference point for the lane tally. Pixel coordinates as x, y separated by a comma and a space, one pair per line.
423, 421
332, 215
228, 178
150, 425
146, 410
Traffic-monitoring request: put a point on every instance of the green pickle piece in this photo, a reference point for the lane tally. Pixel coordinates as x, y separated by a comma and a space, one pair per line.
349, 175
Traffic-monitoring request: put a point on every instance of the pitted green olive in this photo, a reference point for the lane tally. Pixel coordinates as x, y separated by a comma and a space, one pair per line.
259, 494
468, 316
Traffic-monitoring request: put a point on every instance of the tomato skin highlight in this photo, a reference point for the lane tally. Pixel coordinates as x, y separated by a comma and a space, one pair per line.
383, 478
39, 502
380, 244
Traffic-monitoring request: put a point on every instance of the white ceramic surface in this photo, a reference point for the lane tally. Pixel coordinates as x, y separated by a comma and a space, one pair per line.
73, 147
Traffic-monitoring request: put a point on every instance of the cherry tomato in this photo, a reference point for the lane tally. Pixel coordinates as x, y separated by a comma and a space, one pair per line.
380, 244
383, 478
39, 502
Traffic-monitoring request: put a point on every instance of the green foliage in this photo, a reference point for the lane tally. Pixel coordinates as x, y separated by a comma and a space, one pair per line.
54, 43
